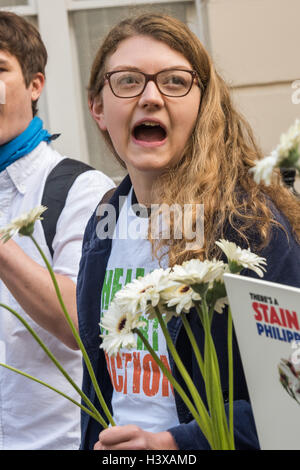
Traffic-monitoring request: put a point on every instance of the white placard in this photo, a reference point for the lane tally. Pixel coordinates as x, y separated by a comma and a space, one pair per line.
266, 319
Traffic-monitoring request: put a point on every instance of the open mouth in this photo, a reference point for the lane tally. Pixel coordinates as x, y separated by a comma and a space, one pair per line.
149, 131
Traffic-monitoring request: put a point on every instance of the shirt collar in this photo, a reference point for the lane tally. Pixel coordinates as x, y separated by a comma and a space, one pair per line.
22, 169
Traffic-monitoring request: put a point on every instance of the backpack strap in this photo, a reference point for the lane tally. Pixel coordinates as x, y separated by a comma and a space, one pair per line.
57, 186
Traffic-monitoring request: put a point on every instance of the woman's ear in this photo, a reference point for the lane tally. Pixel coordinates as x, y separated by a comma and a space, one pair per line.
96, 110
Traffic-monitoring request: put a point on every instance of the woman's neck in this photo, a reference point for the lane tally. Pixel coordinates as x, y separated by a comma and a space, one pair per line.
143, 185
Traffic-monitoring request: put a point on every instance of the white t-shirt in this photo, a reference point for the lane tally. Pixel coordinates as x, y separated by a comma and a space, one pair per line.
32, 417
142, 395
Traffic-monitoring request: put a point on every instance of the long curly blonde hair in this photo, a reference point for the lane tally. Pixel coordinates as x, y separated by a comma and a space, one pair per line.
214, 169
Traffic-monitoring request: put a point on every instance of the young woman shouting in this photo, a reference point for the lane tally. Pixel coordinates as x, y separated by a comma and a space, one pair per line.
167, 117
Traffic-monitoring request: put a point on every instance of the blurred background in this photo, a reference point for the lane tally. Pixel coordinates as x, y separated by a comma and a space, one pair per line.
255, 45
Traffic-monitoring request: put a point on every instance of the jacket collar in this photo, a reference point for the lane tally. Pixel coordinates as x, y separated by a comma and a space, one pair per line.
122, 190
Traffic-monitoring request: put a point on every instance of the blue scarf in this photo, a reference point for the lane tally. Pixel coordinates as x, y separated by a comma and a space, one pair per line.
24, 143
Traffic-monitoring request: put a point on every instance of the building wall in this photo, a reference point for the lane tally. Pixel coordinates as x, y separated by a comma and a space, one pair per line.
255, 45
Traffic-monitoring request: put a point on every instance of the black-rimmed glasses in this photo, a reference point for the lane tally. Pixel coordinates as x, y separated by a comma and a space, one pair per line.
131, 83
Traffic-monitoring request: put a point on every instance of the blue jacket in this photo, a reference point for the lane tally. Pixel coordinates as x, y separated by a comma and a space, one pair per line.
283, 258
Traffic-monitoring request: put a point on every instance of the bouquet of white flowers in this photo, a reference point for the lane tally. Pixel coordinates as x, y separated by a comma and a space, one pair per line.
173, 292
161, 294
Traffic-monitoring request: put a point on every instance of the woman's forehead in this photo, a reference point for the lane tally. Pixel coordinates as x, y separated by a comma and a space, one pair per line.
145, 52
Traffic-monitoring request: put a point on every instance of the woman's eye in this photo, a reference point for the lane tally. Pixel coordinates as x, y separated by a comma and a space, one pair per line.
128, 80
174, 80
177, 80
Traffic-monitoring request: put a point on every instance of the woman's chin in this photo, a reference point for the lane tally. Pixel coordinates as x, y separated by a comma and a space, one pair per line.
150, 167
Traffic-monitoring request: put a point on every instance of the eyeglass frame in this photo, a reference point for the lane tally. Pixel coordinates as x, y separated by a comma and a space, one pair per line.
153, 77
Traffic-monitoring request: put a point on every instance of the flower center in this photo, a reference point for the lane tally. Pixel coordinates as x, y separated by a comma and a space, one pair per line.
122, 324
184, 289
145, 289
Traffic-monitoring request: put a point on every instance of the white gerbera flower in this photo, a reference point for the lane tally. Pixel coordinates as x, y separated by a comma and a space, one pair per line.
119, 324
289, 141
192, 279
179, 296
285, 154
138, 295
263, 169
195, 271
24, 225
239, 258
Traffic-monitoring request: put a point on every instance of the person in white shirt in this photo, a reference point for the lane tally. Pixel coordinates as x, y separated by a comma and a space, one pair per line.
32, 416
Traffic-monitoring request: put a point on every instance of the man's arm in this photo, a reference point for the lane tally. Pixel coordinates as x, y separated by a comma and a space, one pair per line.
31, 284
32, 287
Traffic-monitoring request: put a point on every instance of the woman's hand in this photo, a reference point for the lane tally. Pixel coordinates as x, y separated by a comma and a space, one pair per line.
132, 437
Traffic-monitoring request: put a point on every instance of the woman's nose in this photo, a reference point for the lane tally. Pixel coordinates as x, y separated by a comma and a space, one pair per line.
151, 96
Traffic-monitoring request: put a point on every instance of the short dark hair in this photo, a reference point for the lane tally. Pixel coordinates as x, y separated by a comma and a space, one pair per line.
23, 41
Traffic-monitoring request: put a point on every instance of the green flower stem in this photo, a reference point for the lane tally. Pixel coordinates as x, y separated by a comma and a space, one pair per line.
53, 359
213, 383
76, 336
97, 417
204, 426
184, 373
218, 397
230, 378
209, 379
211, 314
194, 344
230, 433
